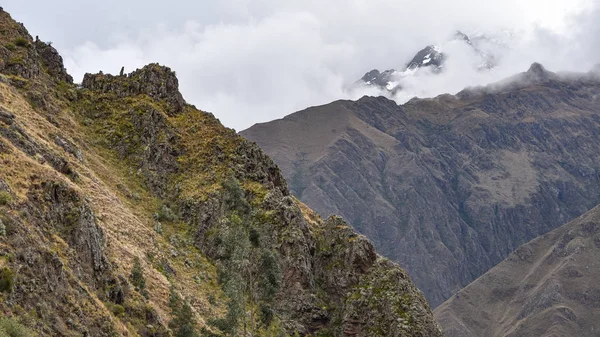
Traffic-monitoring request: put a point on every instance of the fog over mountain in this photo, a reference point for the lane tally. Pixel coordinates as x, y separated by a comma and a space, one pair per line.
275, 57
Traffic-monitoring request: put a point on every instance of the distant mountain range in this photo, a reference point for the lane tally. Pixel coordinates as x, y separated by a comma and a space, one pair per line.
449, 186
433, 58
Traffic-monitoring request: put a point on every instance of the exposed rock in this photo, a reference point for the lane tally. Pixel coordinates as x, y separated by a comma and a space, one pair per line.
72, 217
429, 56
69, 147
6, 117
52, 61
158, 82
256, 165
20, 55
19, 138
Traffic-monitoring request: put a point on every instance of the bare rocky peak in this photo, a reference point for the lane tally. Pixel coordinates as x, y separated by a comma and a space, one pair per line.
156, 81
431, 57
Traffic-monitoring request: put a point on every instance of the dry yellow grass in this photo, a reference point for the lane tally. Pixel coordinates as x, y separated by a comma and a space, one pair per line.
106, 183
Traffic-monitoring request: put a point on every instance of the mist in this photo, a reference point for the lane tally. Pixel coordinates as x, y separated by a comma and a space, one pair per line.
254, 61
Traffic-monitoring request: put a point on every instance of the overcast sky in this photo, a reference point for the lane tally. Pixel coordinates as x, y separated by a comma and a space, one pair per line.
250, 61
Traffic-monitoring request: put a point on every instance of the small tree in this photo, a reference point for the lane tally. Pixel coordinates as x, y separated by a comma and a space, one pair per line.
183, 323
137, 276
7, 280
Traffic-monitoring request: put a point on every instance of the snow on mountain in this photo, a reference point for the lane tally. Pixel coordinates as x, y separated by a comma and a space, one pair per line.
432, 58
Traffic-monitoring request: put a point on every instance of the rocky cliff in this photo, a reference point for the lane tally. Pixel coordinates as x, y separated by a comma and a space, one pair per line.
126, 211
547, 287
449, 186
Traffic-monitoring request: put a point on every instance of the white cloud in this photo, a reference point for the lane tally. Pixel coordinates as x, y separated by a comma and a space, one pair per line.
255, 60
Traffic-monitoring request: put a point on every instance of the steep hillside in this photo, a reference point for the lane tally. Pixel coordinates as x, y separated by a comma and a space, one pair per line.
448, 186
547, 287
125, 211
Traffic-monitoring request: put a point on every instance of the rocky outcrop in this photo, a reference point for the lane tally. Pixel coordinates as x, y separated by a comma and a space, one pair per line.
499, 165
19, 137
547, 287
73, 218
52, 60
158, 82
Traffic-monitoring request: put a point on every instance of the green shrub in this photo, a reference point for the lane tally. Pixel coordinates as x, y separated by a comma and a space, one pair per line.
11, 47
165, 214
21, 42
5, 198
137, 276
7, 280
183, 322
7, 224
117, 309
10, 327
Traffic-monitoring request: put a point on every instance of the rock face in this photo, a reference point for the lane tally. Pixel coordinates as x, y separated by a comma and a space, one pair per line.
158, 82
547, 287
125, 211
449, 186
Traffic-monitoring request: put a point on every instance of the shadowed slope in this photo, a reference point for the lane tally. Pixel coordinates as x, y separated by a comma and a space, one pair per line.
449, 186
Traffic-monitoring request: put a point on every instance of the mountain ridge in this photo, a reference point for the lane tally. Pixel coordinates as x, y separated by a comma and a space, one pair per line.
495, 163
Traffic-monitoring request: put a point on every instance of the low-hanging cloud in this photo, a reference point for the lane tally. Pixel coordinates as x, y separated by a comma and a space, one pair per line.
251, 61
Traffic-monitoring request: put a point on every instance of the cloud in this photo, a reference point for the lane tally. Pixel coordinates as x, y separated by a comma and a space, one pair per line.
251, 61
573, 49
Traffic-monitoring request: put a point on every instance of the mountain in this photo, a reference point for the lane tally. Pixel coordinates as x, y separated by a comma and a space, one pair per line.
433, 57
547, 287
429, 57
448, 186
126, 211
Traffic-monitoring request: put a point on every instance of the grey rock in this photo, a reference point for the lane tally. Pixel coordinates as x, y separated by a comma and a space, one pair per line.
69, 147
158, 82
7, 117
20, 139
52, 60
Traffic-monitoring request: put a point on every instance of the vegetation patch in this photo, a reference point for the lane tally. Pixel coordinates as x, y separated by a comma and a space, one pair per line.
22, 42
137, 278
7, 280
10, 327
5, 198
